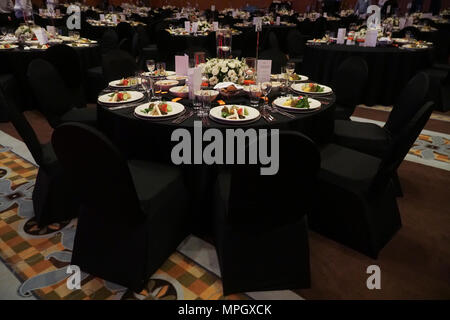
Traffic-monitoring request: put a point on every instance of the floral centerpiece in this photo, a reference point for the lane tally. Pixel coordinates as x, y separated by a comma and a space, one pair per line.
24, 32
224, 70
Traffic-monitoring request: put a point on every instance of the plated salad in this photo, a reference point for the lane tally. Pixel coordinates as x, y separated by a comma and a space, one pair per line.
127, 82
157, 109
297, 102
119, 96
312, 87
234, 113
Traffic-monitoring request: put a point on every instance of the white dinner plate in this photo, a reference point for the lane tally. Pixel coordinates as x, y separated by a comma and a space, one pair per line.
313, 105
280, 77
135, 96
12, 46
168, 73
216, 114
115, 84
177, 108
298, 87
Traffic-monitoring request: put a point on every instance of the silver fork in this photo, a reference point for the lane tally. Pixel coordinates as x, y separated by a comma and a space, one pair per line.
184, 117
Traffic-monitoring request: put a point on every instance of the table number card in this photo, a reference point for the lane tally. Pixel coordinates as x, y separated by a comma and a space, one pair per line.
278, 21
41, 12
187, 26
409, 22
341, 36
58, 12
257, 21
215, 25
408, 6
122, 17
41, 35
213, 8
102, 17
401, 22
181, 65
194, 80
114, 19
371, 38
194, 27
388, 9
263, 70
325, 15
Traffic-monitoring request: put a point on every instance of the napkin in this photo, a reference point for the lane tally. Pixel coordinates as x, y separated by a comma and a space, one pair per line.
226, 84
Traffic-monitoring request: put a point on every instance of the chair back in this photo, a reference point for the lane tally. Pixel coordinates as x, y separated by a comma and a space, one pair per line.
50, 90
296, 44
410, 100
66, 60
24, 128
274, 53
98, 170
118, 64
109, 41
401, 145
349, 81
270, 200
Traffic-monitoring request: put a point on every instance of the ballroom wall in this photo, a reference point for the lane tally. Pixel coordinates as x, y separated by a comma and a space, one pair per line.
299, 5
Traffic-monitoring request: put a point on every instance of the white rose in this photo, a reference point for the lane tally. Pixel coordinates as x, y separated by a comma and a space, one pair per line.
231, 73
231, 65
234, 79
224, 69
215, 71
213, 81
226, 79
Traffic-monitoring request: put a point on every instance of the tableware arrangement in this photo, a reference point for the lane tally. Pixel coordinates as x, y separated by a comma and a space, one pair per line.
166, 84
159, 110
297, 104
234, 114
120, 97
311, 88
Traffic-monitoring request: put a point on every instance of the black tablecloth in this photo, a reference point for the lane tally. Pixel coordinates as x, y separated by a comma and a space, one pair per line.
138, 138
390, 68
16, 62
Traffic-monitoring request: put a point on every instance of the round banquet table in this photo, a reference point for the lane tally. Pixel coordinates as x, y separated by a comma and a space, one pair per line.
147, 139
16, 61
151, 140
390, 68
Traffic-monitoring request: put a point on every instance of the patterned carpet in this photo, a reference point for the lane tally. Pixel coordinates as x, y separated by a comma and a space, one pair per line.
434, 116
39, 257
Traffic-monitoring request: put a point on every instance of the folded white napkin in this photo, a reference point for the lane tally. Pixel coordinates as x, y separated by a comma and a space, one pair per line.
227, 84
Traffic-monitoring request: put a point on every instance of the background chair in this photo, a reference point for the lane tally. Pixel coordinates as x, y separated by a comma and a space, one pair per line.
133, 214
348, 84
53, 96
53, 197
358, 207
260, 220
118, 64
67, 62
274, 53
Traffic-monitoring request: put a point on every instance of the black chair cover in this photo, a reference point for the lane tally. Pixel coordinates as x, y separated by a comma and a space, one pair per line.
117, 64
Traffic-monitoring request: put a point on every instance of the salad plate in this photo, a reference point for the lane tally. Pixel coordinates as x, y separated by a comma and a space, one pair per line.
8, 46
159, 110
124, 83
120, 97
236, 114
311, 88
297, 104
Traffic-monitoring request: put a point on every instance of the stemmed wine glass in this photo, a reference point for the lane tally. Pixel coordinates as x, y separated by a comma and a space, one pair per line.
150, 65
146, 82
266, 87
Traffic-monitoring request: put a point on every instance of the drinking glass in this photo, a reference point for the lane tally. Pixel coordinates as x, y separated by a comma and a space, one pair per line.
146, 82
161, 68
266, 87
197, 104
157, 91
255, 94
206, 101
150, 65
290, 68
284, 77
